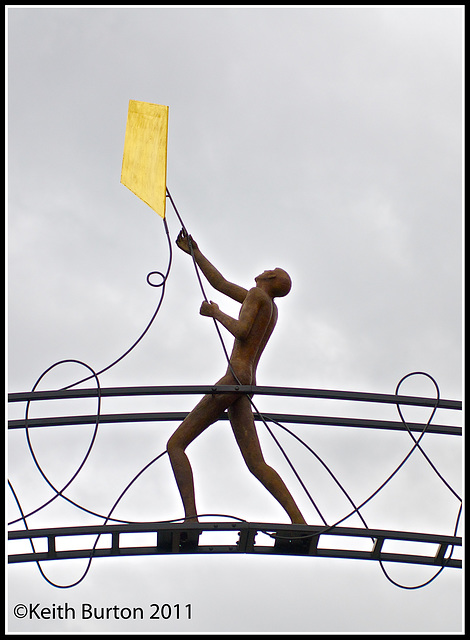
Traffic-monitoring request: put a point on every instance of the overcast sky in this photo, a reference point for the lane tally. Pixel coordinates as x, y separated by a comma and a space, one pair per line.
327, 141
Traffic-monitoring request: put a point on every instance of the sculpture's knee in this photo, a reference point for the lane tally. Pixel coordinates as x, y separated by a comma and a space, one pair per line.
173, 446
258, 468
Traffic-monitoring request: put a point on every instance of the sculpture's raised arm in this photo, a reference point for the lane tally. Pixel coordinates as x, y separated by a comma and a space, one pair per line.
214, 277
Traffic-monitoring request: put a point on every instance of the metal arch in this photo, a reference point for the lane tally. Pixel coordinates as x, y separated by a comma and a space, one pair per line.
303, 540
299, 540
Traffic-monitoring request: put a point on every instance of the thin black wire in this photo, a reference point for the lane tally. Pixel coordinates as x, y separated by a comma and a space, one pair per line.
436, 471
417, 445
95, 375
106, 520
292, 468
357, 509
162, 285
95, 431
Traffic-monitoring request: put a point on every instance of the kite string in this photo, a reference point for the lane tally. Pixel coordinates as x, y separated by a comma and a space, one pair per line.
201, 285
196, 267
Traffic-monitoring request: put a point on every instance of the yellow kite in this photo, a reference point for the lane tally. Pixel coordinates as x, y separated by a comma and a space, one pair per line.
145, 151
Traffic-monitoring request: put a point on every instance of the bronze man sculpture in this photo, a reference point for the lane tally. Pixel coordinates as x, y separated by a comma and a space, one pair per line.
252, 329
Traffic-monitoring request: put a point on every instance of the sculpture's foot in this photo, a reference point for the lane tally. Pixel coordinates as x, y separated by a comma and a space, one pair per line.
292, 542
178, 541
189, 540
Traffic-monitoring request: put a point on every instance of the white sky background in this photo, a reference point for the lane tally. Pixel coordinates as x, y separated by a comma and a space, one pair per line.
323, 140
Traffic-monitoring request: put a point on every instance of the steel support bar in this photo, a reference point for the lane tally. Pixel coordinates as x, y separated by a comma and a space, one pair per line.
115, 418
288, 540
225, 549
258, 390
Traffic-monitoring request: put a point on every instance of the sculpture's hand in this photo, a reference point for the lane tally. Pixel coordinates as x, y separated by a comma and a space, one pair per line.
209, 309
182, 242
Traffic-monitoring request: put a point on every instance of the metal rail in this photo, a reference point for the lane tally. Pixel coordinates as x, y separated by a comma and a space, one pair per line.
289, 539
114, 418
259, 390
277, 391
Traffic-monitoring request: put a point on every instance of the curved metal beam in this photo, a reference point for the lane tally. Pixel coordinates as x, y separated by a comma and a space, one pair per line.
259, 390
304, 540
114, 418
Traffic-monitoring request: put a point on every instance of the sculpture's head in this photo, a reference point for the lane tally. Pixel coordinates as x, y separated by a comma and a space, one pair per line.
276, 281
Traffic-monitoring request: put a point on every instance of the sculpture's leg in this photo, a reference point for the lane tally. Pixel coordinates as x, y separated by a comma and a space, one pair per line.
205, 413
243, 425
